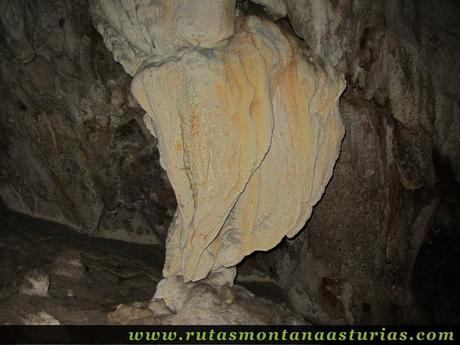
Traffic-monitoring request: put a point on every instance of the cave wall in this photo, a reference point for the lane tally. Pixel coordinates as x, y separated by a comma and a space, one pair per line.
73, 145
355, 261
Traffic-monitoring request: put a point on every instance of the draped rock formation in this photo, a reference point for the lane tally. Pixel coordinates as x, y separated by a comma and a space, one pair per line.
247, 123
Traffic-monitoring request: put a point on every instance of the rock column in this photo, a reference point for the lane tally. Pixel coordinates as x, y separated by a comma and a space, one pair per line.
246, 119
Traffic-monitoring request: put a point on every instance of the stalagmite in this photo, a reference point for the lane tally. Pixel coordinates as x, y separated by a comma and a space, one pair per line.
247, 123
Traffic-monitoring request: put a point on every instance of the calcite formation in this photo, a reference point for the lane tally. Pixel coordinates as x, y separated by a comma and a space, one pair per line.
247, 122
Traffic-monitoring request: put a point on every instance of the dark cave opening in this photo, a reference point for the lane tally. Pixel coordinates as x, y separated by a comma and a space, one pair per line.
436, 277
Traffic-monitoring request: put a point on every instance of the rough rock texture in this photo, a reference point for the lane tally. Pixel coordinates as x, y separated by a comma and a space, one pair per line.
126, 313
207, 303
115, 273
266, 134
40, 319
275, 8
240, 127
401, 54
354, 262
68, 264
73, 147
204, 303
36, 283
139, 32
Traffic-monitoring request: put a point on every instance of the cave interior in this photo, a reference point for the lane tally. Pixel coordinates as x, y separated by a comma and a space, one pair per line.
91, 202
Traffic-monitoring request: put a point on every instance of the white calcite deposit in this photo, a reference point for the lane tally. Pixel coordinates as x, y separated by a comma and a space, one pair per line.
247, 123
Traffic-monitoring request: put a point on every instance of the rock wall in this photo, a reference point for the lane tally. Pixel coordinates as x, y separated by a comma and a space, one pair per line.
355, 261
247, 123
73, 146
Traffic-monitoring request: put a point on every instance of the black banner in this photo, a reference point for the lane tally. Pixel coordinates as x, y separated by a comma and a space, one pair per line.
228, 335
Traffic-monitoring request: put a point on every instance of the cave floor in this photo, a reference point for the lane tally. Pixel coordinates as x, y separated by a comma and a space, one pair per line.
89, 277
112, 272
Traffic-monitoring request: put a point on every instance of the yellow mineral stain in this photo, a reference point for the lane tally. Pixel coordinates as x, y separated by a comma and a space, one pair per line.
178, 145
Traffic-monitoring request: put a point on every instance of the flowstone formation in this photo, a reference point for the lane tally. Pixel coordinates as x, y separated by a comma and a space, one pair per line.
247, 122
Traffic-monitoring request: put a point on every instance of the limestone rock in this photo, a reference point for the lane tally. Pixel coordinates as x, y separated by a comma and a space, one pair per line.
159, 307
12, 20
126, 313
204, 22
68, 264
203, 303
36, 283
275, 8
73, 146
173, 292
401, 116
223, 276
138, 31
40, 319
241, 128
392, 50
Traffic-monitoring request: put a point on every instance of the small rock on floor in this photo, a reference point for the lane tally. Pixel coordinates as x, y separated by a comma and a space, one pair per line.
129, 312
35, 283
159, 307
68, 264
40, 319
